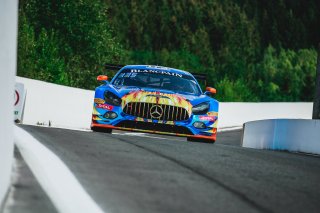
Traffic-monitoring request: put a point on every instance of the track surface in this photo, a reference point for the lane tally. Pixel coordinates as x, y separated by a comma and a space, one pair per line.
127, 173
26, 195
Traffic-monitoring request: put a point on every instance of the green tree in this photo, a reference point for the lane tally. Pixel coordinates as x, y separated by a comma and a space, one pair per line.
265, 49
84, 35
287, 75
39, 58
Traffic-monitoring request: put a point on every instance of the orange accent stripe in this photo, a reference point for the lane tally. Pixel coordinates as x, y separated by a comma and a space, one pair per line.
103, 125
212, 137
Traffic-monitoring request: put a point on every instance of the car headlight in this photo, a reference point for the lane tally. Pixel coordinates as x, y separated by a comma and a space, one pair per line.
200, 108
111, 98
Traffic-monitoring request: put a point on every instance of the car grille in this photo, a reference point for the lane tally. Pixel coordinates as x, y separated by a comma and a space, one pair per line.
155, 127
168, 112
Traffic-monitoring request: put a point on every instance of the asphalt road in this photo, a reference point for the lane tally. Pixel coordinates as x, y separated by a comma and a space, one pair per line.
124, 172
26, 195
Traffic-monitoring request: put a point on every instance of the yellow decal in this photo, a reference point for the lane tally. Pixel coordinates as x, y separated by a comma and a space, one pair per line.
96, 118
95, 112
215, 125
157, 98
212, 113
99, 101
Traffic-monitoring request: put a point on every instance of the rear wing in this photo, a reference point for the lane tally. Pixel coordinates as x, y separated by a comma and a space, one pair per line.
201, 78
113, 66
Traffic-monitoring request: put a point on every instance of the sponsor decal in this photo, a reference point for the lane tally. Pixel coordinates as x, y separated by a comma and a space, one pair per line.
104, 106
207, 118
99, 101
162, 72
158, 67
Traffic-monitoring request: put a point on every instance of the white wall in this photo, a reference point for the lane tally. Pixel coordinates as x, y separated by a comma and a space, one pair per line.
235, 114
297, 135
70, 107
8, 46
63, 106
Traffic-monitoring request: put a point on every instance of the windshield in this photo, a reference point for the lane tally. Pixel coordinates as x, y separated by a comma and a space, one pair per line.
158, 79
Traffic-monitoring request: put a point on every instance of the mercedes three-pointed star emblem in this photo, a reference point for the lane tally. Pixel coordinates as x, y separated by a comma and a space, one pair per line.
156, 112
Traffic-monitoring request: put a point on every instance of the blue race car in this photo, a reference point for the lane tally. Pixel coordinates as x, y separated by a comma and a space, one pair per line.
155, 99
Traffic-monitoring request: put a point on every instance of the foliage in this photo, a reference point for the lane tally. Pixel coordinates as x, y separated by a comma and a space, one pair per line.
287, 75
250, 50
39, 57
84, 36
234, 91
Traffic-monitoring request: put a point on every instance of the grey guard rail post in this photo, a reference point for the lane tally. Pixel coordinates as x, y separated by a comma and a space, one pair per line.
316, 102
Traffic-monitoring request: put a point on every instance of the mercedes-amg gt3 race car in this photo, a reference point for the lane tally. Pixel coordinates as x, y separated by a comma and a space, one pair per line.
155, 99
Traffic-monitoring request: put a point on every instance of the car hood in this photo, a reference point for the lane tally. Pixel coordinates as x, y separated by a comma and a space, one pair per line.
136, 94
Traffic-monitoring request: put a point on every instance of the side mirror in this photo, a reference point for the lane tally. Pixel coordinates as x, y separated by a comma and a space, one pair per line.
103, 78
210, 90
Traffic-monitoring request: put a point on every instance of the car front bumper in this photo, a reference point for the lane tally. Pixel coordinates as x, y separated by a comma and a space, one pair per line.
177, 128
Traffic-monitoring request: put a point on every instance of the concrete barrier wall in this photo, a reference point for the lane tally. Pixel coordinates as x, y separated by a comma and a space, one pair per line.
296, 135
8, 55
236, 114
62, 106
71, 107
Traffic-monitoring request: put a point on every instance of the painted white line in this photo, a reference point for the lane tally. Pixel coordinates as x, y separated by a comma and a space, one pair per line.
61, 127
226, 129
62, 187
138, 135
135, 133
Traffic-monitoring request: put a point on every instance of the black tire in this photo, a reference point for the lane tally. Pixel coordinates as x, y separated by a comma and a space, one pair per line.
202, 140
101, 129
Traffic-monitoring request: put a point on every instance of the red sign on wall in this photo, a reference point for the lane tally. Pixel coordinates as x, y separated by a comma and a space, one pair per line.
19, 99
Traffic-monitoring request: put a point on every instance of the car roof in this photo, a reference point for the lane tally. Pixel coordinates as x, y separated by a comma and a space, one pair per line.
156, 67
